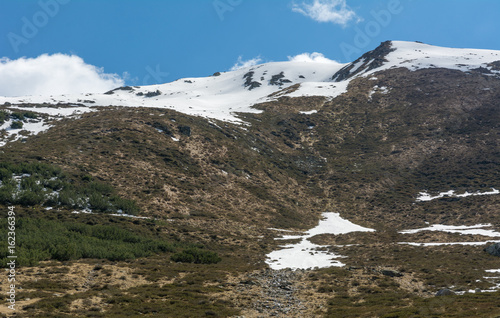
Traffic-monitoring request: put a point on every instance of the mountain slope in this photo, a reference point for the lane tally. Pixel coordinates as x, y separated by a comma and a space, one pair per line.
402, 120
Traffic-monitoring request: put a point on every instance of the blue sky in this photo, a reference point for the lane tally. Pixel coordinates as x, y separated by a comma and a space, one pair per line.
156, 41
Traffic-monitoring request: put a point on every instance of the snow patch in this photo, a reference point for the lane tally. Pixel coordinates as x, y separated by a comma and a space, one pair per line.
305, 254
446, 243
478, 229
424, 196
309, 112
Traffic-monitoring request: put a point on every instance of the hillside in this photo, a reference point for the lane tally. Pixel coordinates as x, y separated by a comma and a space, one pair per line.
229, 163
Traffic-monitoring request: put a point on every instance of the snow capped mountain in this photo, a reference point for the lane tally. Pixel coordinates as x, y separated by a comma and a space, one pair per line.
223, 95
218, 96
416, 55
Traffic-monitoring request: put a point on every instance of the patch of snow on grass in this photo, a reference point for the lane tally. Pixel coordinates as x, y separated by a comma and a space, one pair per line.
305, 254
424, 196
309, 112
29, 128
478, 229
446, 243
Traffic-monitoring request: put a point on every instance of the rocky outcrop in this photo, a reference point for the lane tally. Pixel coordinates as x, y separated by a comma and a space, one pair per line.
369, 61
493, 249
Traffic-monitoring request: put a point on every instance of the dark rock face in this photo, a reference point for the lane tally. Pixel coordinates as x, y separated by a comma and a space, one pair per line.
153, 94
445, 292
493, 249
249, 82
370, 60
495, 65
124, 88
279, 79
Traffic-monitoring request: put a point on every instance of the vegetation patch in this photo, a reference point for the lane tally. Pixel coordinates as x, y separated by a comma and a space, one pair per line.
197, 256
31, 184
39, 240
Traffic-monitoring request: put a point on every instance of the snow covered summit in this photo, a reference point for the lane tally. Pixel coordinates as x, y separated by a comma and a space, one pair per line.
223, 95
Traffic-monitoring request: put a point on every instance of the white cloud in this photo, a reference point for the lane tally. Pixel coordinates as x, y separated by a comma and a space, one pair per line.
311, 58
53, 75
242, 64
334, 11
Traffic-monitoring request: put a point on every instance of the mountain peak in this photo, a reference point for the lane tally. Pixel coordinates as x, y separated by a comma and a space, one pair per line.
418, 55
367, 62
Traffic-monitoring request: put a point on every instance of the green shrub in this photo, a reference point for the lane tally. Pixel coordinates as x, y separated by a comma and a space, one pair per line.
6, 195
70, 199
87, 178
127, 206
16, 125
197, 256
30, 198
30, 115
31, 183
17, 116
3, 116
99, 187
55, 185
5, 174
99, 203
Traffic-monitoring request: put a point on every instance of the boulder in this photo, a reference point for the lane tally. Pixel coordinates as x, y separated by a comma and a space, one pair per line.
493, 249
391, 273
445, 292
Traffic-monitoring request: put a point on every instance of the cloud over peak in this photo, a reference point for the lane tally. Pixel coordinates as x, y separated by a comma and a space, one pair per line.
55, 74
311, 58
332, 11
248, 63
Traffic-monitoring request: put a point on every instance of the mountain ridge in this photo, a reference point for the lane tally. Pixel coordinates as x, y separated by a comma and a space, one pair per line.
229, 93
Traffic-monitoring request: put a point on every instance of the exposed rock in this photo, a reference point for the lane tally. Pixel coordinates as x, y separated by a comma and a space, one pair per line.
254, 85
493, 249
391, 273
249, 82
445, 292
153, 94
369, 60
124, 88
279, 79
495, 65
217, 74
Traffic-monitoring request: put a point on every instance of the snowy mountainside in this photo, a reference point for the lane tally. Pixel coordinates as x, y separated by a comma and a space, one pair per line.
416, 55
223, 95
218, 96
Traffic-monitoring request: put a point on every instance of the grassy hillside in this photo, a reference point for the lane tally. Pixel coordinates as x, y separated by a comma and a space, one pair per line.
211, 190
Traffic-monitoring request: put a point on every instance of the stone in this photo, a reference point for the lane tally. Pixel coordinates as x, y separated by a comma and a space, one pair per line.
391, 273
445, 292
493, 249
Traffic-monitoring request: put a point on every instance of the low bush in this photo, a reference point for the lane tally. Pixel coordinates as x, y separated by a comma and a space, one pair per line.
197, 256
16, 125
39, 239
